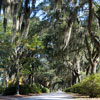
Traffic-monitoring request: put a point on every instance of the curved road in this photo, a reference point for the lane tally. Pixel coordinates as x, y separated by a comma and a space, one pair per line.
49, 96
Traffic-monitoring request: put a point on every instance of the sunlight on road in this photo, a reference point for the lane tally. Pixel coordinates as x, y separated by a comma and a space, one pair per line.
50, 96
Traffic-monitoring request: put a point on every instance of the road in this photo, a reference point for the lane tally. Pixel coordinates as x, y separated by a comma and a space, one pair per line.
49, 96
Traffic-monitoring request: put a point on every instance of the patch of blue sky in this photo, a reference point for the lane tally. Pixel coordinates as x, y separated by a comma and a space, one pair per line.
38, 2
98, 1
41, 14
83, 13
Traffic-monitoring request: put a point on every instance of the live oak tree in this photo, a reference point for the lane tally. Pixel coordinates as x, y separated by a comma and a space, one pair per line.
57, 42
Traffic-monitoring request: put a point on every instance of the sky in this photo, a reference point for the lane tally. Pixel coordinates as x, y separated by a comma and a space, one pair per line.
38, 1
40, 12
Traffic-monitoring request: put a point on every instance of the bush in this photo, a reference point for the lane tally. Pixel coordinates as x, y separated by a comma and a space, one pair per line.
45, 90
67, 89
88, 86
35, 89
1, 89
23, 89
11, 90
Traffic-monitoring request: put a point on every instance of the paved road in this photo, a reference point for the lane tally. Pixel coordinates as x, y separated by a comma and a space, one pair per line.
49, 96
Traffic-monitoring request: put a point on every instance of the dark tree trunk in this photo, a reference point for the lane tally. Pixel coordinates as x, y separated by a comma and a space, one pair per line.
30, 79
17, 76
88, 70
17, 82
75, 78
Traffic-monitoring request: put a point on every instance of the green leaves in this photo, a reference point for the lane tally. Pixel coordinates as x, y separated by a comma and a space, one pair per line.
35, 43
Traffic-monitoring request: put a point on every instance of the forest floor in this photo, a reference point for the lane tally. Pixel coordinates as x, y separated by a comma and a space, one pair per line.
49, 96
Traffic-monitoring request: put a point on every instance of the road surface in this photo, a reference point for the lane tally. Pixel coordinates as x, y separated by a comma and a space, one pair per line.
49, 96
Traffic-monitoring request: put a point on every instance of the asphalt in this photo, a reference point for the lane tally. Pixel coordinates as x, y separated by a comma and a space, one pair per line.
49, 96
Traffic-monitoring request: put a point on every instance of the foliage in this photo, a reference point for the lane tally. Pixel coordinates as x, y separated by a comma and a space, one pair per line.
44, 51
45, 90
11, 90
35, 89
23, 89
1, 89
88, 86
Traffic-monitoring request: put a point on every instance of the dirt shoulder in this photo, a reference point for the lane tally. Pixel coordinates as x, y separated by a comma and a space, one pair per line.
81, 97
12, 97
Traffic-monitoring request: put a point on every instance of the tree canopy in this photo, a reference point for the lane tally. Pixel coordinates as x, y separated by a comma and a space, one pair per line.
52, 43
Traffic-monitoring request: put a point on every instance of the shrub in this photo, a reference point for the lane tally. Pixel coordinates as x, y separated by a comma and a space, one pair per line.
88, 86
11, 90
1, 89
35, 88
67, 89
45, 90
23, 89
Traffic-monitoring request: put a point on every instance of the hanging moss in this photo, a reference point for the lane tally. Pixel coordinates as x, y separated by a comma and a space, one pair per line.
20, 11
